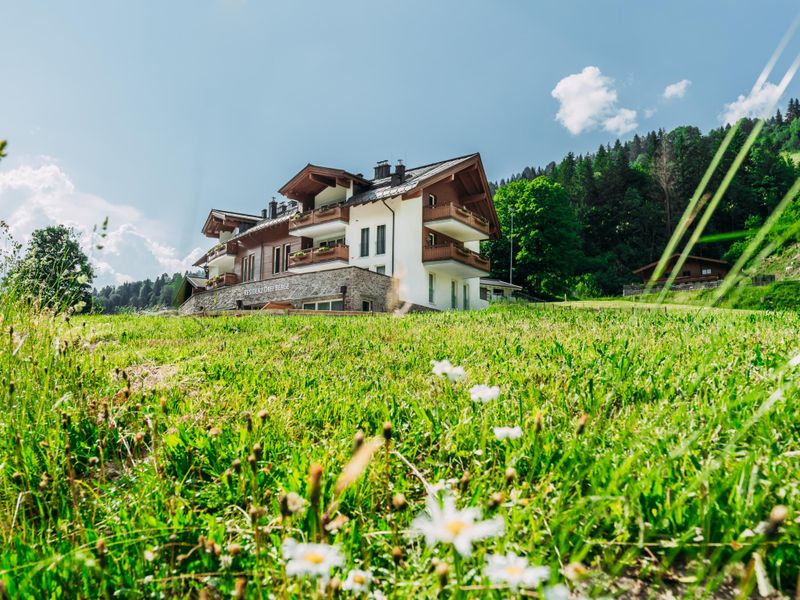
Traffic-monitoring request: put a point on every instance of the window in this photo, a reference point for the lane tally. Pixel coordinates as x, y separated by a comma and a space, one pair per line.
332, 243
287, 249
381, 269
430, 287
366, 305
380, 239
324, 305
249, 267
706, 271
466, 297
453, 296
365, 241
431, 239
431, 200
276, 259
484, 293
687, 273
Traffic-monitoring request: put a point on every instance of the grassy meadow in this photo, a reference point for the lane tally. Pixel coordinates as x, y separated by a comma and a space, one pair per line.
150, 457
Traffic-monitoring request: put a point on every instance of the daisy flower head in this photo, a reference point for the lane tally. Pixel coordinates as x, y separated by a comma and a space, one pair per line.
444, 367
508, 433
446, 524
312, 560
514, 571
557, 592
484, 393
357, 581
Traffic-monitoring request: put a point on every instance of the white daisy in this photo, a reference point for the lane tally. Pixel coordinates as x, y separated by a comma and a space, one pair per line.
314, 560
357, 581
557, 592
444, 367
508, 433
514, 571
484, 393
445, 523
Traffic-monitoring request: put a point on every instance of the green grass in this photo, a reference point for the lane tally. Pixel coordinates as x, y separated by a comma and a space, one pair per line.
783, 294
129, 432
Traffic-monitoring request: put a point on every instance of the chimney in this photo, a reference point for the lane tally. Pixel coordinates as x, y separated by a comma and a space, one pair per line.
273, 208
382, 169
263, 213
399, 174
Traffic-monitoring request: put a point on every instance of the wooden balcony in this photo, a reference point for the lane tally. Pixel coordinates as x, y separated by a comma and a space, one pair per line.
222, 281
221, 250
455, 260
319, 259
328, 220
457, 222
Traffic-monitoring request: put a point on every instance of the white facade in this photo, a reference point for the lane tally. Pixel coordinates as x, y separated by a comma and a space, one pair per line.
445, 285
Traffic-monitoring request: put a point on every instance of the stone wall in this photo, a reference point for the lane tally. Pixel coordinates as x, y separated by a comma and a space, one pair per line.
297, 288
636, 289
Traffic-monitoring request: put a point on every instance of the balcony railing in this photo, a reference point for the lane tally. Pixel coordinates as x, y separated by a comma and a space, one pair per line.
457, 212
222, 280
442, 252
319, 255
224, 249
326, 214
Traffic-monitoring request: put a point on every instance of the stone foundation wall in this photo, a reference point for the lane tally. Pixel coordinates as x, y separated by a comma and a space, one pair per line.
635, 290
297, 288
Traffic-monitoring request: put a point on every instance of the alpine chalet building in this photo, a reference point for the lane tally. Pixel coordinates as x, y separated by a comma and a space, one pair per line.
342, 242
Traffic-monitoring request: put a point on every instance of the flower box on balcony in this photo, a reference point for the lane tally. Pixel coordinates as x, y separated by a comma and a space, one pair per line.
324, 250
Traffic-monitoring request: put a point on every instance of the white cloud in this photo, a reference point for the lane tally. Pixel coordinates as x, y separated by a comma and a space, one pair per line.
41, 194
677, 89
760, 102
649, 112
588, 100
622, 122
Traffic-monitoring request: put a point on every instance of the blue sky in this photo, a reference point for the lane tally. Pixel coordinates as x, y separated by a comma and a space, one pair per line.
153, 112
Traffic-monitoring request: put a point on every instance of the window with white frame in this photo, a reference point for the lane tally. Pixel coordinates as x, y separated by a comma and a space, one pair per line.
337, 304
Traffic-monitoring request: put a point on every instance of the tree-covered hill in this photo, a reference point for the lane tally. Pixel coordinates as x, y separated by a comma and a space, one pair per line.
137, 295
628, 197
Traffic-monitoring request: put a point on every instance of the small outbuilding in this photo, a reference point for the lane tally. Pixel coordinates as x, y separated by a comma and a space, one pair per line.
496, 289
187, 288
695, 269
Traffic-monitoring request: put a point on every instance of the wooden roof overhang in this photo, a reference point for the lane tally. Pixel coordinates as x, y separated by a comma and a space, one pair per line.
470, 180
220, 220
312, 179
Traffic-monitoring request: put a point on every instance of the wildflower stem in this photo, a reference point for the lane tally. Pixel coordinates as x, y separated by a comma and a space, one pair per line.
457, 566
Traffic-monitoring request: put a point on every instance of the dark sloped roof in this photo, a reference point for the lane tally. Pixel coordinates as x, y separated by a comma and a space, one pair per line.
220, 214
382, 188
260, 226
689, 257
499, 283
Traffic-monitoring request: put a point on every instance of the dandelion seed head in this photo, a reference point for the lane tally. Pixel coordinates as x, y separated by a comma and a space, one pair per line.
484, 393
